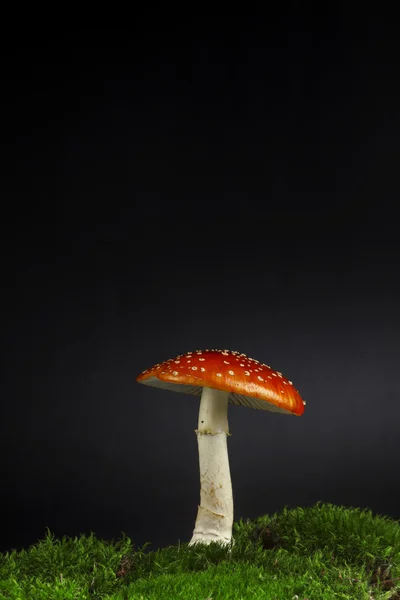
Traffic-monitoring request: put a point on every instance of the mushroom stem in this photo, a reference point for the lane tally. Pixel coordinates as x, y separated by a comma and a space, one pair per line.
215, 513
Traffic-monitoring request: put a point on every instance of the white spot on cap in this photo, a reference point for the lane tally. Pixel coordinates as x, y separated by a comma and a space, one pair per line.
231, 372
175, 373
202, 369
226, 362
194, 368
219, 374
202, 359
177, 361
260, 378
247, 373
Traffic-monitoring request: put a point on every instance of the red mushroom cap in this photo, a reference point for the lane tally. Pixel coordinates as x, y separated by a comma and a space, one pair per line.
249, 382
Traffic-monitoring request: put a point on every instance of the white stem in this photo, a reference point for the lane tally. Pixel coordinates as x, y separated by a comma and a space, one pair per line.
215, 514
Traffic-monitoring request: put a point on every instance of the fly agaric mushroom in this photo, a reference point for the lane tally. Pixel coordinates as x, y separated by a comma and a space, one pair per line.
221, 377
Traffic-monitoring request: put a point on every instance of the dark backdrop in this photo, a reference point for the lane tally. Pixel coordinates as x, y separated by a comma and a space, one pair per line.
187, 184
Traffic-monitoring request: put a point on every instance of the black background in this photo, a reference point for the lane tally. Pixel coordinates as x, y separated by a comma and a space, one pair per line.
190, 183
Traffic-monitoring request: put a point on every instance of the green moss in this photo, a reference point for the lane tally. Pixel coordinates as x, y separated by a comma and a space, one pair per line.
324, 551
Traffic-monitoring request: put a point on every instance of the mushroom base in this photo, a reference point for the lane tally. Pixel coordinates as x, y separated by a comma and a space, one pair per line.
215, 513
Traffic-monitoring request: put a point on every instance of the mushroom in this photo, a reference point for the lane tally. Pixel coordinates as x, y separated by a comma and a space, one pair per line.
221, 377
